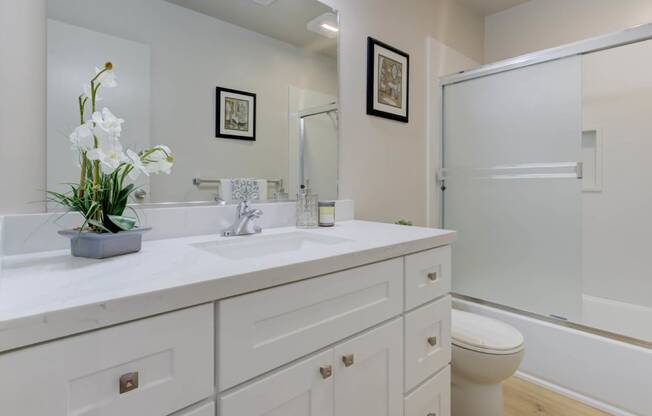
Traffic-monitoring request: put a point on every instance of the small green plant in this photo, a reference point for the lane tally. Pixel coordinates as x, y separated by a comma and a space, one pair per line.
103, 190
403, 221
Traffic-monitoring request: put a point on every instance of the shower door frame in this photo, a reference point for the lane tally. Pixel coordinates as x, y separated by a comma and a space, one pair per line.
583, 47
628, 36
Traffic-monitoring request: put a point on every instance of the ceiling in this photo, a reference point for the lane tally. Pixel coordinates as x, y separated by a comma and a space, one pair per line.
284, 20
489, 7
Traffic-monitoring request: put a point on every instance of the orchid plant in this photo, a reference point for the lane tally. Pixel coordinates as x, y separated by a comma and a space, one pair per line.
107, 171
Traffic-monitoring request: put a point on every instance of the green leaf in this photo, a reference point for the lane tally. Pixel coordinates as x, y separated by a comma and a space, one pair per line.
99, 226
124, 223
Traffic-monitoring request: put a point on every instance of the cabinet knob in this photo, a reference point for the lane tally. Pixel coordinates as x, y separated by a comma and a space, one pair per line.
348, 360
432, 341
128, 382
326, 371
433, 276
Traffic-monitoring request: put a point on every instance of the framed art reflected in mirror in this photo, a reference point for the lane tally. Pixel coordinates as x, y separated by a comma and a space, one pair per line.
235, 114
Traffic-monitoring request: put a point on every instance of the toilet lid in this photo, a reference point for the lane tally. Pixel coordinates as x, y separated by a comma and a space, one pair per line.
477, 332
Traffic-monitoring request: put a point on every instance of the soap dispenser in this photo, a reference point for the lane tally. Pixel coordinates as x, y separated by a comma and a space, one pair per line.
307, 208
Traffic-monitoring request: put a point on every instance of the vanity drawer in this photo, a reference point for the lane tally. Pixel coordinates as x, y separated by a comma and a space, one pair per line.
151, 367
427, 276
264, 330
427, 341
432, 398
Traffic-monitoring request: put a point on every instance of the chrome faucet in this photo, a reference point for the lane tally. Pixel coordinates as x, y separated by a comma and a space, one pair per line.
244, 221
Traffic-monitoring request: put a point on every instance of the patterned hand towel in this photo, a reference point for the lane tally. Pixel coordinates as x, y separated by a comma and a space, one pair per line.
241, 189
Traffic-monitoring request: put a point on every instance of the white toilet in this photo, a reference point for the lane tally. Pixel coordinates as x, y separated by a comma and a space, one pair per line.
485, 353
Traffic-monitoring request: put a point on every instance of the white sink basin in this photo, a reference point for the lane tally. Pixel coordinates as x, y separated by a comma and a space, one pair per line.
267, 245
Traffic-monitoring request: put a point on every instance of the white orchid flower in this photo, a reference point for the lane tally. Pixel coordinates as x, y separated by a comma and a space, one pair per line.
109, 154
107, 78
160, 160
137, 164
107, 123
109, 160
82, 137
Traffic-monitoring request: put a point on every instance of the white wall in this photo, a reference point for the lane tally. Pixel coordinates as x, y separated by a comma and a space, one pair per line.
22, 105
540, 24
383, 163
191, 54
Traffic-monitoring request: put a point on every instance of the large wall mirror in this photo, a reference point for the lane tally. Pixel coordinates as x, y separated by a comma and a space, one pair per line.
242, 91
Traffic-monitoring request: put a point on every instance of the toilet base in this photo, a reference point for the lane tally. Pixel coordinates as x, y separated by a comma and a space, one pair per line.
475, 399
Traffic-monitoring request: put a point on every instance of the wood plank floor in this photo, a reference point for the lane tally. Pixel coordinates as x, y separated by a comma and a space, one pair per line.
526, 399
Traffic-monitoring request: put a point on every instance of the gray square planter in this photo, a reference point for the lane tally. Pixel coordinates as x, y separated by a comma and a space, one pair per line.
100, 246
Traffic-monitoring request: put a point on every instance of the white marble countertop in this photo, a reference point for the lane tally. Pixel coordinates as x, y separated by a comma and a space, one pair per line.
48, 295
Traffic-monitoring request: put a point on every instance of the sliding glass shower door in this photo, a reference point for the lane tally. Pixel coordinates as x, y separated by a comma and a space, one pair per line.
512, 143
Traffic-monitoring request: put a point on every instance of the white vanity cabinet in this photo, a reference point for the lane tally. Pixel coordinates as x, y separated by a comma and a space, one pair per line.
384, 334
372, 340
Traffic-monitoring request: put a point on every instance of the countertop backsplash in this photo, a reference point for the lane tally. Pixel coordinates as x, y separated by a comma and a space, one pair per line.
30, 233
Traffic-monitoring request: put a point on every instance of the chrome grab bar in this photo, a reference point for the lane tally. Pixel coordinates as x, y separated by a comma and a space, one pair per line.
200, 181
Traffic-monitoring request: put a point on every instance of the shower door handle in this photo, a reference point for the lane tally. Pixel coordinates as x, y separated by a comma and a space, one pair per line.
547, 170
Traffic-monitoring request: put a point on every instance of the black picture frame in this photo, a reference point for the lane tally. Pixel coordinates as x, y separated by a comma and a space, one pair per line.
224, 133
372, 106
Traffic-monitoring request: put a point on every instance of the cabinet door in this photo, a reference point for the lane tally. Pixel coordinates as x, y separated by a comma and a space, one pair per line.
303, 389
369, 373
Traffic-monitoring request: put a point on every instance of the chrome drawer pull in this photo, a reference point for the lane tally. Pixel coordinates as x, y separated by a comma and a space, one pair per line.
432, 341
348, 360
128, 382
432, 414
433, 276
326, 371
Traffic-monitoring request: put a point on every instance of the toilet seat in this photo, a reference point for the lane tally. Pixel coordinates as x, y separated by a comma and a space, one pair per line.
486, 335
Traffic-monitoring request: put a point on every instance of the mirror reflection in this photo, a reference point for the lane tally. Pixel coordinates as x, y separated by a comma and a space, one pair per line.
243, 92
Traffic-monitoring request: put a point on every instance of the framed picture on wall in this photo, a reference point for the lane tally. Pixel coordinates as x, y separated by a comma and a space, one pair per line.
235, 116
388, 73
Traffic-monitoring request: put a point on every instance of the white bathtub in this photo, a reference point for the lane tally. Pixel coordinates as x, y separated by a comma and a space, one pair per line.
622, 318
610, 375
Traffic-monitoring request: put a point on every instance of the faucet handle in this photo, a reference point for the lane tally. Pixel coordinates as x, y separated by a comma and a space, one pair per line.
242, 207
